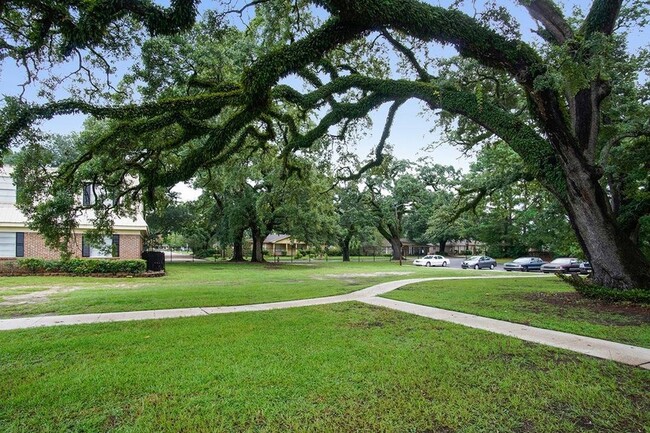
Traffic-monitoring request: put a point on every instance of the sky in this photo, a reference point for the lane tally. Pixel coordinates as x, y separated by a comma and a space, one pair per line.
410, 137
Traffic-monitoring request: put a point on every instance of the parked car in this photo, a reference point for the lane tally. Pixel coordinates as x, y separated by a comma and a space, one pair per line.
562, 265
585, 268
431, 260
479, 262
524, 264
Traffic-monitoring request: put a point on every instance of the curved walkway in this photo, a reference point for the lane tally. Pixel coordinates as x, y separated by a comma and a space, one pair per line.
626, 354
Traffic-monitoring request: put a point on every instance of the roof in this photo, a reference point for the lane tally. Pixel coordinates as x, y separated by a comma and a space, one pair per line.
271, 239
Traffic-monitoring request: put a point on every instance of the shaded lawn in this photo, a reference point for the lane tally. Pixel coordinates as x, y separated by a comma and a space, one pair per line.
545, 303
206, 285
347, 367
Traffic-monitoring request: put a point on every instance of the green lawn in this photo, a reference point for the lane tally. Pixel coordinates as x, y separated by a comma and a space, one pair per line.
545, 303
338, 368
203, 285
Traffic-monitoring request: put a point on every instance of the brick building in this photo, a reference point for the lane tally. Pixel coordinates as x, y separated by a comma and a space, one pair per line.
17, 240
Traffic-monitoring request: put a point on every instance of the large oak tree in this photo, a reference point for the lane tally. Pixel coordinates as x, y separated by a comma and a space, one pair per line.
577, 114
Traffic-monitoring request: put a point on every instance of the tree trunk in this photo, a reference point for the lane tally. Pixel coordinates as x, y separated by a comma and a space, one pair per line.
442, 244
238, 247
256, 255
616, 260
345, 247
391, 234
396, 245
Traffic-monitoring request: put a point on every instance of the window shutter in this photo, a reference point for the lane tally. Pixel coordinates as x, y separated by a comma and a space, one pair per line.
116, 245
85, 248
20, 244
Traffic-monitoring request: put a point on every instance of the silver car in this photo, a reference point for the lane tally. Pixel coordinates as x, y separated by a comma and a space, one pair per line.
524, 264
479, 262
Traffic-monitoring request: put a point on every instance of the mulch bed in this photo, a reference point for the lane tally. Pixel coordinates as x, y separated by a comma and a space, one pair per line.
638, 313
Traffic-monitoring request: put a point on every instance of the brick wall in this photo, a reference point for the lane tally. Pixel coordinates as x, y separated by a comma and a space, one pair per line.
35, 247
130, 246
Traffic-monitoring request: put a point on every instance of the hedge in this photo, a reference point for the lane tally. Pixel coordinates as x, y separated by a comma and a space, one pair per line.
81, 266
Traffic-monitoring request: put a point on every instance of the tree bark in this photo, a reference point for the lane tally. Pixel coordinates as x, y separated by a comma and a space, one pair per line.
345, 247
441, 245
257, 255
391, 234
396, 245
616, 260
238, 247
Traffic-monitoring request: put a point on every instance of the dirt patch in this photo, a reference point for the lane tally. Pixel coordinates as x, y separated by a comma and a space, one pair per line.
366, 275
566, 302
36, 297
44, 295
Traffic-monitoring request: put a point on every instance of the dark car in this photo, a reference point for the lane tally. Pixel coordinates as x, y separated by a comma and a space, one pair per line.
479, 262
525, 264
585, 268
563, 265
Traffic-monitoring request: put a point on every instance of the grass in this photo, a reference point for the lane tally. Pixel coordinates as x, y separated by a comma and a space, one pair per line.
545, 303
204, 285
344, 368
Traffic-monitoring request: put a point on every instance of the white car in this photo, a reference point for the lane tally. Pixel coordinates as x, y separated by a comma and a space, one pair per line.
431, 261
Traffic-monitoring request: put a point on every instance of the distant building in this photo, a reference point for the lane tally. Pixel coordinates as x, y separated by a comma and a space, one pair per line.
455, 247
282, 245
17, 240
465, 247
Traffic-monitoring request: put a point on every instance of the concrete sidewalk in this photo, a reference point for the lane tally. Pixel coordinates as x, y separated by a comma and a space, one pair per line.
623, 353
626, 354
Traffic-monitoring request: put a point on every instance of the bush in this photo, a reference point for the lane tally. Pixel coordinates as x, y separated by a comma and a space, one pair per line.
589, 290
334, 251
8, 267
82, 266
32, 265
203, 253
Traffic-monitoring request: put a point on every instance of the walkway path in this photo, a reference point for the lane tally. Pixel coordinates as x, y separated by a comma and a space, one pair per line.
626, 354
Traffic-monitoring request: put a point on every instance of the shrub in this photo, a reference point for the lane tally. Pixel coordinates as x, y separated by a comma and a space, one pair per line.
32, 265
83, 266
334, 251
203, 253
8, 266
589, 290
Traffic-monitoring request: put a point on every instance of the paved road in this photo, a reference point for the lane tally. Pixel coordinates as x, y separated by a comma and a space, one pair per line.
455, 262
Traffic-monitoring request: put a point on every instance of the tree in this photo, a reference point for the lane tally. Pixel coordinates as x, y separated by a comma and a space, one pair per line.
259, 195
512, 213
355, 216
169, 217
432, 219
565, 133
392, 192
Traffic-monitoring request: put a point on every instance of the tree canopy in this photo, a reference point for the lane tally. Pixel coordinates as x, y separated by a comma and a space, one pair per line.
567, 98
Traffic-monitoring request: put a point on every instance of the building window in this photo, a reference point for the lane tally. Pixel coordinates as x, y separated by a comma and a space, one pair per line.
85, 248
7, 190
116, 245
88, 195
7, 244
110, 247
